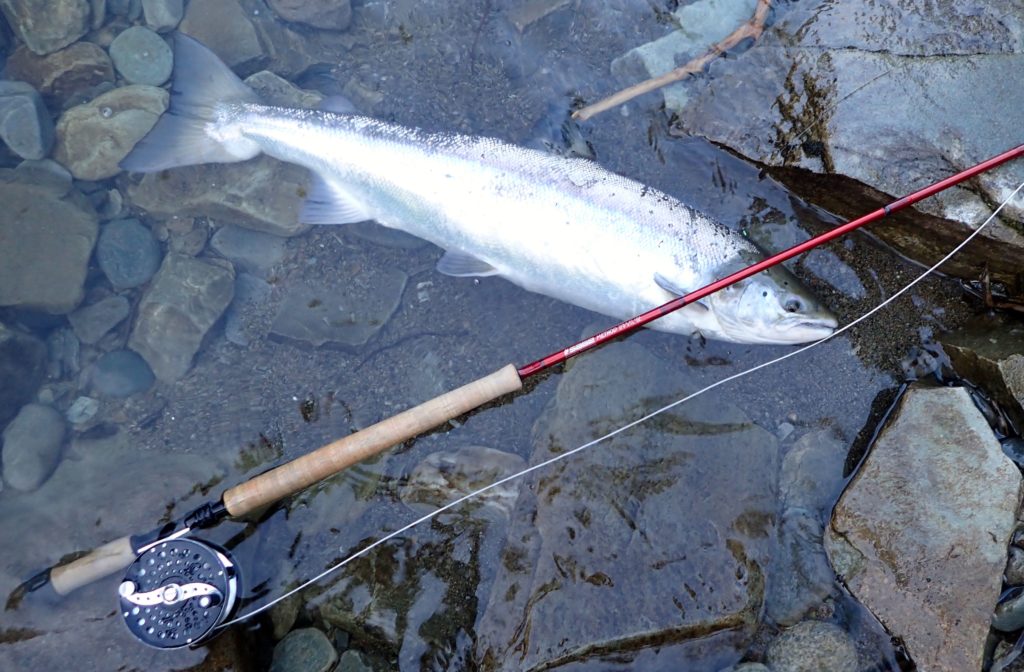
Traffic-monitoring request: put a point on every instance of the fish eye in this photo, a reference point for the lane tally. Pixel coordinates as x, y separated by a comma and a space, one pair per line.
792, 305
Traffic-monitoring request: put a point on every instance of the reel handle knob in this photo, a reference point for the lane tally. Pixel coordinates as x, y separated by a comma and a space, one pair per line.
103, 561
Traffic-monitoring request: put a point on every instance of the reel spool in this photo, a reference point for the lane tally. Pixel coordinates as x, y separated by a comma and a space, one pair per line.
177, 591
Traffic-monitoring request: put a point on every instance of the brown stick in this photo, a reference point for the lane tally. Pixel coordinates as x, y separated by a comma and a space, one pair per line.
751, 28
328, 460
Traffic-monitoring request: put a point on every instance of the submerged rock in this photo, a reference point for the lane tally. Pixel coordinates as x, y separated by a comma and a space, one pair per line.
94, 137
224, 27
22, 368
348, 315
25, 125
304, 650
327, 14
187, 296
275, 90
48, 231
47, 25
163, 15
62, 75
263, 194
142, 56
920, 534
798, 102
31, 446
120, 373
654, 506
813, 646
445, 476
249, 250
127, 253
990, 353
92, 322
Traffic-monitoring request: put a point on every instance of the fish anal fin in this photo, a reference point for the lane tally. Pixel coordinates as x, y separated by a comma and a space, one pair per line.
462, 265
330, 204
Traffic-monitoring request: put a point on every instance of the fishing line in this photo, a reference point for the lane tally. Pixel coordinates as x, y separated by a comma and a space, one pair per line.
557, 458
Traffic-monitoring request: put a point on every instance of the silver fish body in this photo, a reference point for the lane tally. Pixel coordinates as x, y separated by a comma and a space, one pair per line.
563, 227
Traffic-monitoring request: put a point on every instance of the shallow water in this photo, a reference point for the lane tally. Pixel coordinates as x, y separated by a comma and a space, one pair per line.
453, 66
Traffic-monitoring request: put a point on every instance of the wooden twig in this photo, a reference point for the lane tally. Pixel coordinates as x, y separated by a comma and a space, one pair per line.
751, 28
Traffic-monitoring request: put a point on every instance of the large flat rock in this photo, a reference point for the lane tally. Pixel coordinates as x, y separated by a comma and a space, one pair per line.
651, 541
921, 533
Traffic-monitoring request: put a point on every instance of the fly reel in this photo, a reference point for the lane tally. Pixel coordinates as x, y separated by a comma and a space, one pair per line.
177, 591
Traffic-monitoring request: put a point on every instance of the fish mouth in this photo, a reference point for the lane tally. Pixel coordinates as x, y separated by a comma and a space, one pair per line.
805, 329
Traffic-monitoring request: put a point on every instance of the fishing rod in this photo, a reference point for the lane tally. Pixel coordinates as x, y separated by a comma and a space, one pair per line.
178, 589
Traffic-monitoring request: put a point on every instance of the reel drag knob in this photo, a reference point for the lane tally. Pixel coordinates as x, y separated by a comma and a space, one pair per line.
176, 592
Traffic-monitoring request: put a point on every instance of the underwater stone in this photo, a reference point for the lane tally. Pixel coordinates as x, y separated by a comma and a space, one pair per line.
142, 56
82, 410
63, 74
127, 253
249, 291
304, 650
574, 543
185, 299
48, 231
249, 250
31, 446
163, 15
275, 90
263, 194
934, 480
92, 322
47, 25
25, 125
22, 368
813, 646
224, 27
445, 476
120, 373
94, 137
326, 14
349, 315
989, 352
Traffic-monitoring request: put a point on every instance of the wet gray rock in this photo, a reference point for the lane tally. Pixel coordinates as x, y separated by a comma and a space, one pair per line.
990, 353
64, 74
920, 534
802, 577
813, 646
1014, 574
445, 476
348, 315
82, 410
582, 526
129, 9
326, 14
185, 299
163, 15
249, 291
92, 322
263, 194
809, 78
225, 28
747, 667
354, 661
25, 125
304, 650
142, 56
120, 373
32, 446
22, 368
127, 253
47, 25
94, 137
49, 230
275, 90
248, 250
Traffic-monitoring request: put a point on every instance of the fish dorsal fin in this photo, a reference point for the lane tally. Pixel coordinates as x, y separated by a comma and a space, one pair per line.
462, 265
337, 104
330, 204
676, 289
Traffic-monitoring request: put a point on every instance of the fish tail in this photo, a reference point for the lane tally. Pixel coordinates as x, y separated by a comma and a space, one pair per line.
202, 87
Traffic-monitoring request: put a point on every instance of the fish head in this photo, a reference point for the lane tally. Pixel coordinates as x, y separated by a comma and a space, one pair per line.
771, 307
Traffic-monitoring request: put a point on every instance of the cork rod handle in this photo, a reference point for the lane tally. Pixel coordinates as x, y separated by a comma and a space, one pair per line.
98, 563
328, 460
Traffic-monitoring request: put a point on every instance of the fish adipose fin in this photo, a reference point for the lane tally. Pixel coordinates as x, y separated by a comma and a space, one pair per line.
462, 265
202, 84
330, 204
676, 290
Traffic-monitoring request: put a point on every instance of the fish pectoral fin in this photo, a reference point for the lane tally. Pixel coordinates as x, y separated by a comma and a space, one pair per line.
462, 265
676, 290
330, 204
